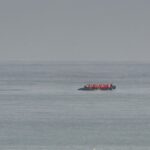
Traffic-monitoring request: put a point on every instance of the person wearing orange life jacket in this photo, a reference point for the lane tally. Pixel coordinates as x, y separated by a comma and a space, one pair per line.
98, 86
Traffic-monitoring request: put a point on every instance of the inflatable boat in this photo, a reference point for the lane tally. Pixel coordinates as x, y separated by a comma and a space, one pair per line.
97, 86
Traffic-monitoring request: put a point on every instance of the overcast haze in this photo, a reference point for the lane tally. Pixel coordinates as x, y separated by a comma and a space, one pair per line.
101, 30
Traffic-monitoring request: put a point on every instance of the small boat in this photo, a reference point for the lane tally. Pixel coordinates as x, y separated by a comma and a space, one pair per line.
98, 86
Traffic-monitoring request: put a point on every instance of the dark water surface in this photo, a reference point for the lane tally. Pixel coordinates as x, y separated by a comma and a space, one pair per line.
41, 108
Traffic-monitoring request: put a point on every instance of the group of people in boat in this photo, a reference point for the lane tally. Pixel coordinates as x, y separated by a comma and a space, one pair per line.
98, 86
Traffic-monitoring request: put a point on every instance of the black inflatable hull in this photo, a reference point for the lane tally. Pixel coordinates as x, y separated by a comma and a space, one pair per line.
89, 89
86, 89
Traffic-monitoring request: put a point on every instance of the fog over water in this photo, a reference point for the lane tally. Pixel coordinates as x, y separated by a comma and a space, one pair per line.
101, 30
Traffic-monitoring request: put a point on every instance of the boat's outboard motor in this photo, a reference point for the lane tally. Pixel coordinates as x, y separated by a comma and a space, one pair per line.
113, 87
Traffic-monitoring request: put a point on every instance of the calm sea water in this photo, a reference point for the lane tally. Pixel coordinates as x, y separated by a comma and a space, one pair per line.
41, 108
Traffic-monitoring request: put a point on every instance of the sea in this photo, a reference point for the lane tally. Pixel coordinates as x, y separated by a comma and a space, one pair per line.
41, 107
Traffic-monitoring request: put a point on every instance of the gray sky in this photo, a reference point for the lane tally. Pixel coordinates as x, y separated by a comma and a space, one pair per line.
98, 30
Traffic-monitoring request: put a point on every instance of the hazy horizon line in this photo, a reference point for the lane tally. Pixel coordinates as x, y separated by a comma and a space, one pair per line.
76, 61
